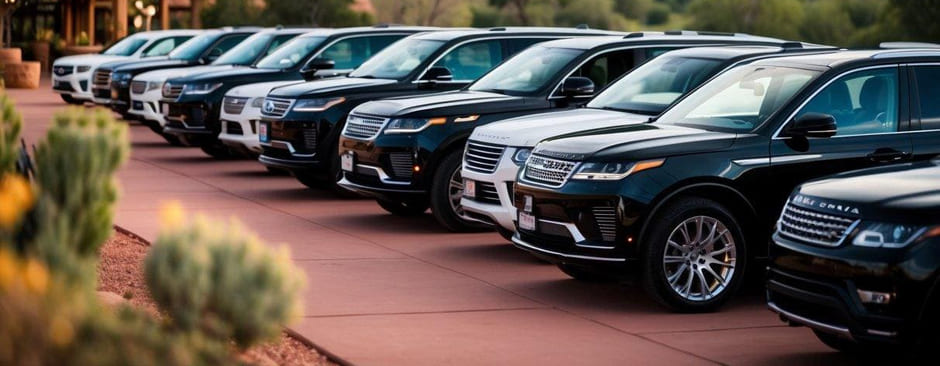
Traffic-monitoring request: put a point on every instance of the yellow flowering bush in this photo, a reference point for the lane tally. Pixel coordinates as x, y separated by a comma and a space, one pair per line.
17, 197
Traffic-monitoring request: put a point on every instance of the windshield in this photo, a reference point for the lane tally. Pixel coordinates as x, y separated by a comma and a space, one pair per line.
247, 51
528, 71
126, 46
193, 48
398, 60
291, 53
656, 84
739, 100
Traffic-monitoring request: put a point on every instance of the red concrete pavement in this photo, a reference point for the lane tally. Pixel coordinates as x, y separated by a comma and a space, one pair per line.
386, 290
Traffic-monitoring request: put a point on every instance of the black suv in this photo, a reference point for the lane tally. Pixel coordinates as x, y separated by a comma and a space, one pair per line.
113, 80
856, 257
301, 123
413, 160
192, 102
689, 198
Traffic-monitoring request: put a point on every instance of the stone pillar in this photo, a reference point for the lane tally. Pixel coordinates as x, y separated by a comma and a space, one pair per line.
91, 22
164, 14
120, 18
68, 21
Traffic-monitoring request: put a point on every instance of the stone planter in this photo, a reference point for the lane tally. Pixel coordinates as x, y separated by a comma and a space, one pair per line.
41, 54
80, 50
10, 56
23, 75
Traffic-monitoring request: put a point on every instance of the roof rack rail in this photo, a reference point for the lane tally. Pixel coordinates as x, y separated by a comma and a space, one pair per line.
582, 26
497, 29
791, 45
910, 52
711, 33
674, 32
634, 35
901, 45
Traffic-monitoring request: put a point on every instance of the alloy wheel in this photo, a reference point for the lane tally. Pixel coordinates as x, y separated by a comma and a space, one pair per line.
699, 258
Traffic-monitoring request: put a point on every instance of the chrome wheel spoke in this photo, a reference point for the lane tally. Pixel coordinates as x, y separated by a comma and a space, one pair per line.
721, 280
699, 258
674, 278
706, 292
673, 259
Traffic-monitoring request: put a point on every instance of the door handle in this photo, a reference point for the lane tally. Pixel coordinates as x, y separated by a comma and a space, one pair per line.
887, 155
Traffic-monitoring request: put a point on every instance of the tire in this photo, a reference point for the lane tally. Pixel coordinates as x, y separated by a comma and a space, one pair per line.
583, 274
68, 99
397, 208
172, 139
218, 150
446, 190
309, 179
692, 280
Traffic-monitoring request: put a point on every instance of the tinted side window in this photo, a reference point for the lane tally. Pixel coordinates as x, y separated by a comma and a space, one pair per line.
603, 69
380, 42
928, 92
519, 44
861, 102
164, 46
349, 53
228, 42
278, 41
472, 60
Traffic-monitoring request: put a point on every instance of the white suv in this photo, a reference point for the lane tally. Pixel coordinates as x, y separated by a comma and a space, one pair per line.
71, 75
146, 93
241, 111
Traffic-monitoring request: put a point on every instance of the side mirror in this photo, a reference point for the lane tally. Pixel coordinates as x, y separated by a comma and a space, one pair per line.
309, 71
438, 74
577, 87
818, 125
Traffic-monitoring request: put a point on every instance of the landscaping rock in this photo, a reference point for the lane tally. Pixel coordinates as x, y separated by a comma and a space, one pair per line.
10, 56
23, 75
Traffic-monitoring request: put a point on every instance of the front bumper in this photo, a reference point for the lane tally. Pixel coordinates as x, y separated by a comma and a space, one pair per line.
240, 131
76, 85
819, 288
493, 202
147, 106
120, 96
386, 169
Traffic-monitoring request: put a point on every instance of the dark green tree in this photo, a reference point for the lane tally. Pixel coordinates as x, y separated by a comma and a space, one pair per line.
231, 13
320, 13
774, 18
918, 19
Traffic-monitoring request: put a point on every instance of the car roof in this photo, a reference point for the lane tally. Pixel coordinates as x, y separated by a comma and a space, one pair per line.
744, 51
285, 30
325, 32
168, 32
836, 59
452, 34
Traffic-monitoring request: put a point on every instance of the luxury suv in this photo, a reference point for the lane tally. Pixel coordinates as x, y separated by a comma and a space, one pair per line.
856, 257
691, 197
494, 152
241, 113
71, 75
146, 89
301, 123
191, 103
112, 81
421, 140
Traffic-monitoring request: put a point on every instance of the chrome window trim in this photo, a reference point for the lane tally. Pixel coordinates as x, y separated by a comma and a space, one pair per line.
786, 121
488, 38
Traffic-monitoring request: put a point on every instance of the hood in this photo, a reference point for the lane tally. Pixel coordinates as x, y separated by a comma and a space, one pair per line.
634, 142
257, 89
148, 64
314, 88
231, 72
442, 104
899, 193
92, 60
163, 74
528, 130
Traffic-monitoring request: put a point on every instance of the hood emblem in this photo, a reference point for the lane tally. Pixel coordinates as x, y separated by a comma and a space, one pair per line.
268, 107
59, 70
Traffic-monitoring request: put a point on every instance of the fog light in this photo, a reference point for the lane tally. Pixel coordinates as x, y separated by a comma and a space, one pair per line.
417, 168
874, 297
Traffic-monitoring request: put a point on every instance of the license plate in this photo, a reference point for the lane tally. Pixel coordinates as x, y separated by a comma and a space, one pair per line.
165, 109
346, 161
137, 105
263, 135
469, 188
526, 221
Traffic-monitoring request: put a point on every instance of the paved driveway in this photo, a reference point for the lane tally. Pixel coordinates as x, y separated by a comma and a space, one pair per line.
385, 290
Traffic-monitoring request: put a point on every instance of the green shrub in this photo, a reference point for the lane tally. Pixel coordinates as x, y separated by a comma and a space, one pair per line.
225, 279
10, 125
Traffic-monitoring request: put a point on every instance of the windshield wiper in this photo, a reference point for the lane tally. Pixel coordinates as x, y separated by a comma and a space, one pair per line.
629, 110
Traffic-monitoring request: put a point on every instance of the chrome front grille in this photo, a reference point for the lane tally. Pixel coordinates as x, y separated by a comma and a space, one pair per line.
277, 108
102, 79
481, 157
547, 171
138, 87
363, 127
605, 218
310, 138
234, 105
63, 70
402, 164
486, 192
813, 227
172, 91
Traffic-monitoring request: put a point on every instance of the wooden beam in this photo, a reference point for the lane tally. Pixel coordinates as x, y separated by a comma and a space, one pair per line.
91, 22
120, 18
68, 22
164, 14
195, 13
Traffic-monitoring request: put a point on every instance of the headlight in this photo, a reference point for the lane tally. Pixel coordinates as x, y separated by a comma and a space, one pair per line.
613, 171
412, 125
204, 88
120, 77
83, 68
152, 85
257, 102
521, 155
316, 105
885, 235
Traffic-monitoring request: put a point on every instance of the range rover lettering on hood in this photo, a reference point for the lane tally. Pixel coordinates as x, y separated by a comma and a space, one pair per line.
830, 206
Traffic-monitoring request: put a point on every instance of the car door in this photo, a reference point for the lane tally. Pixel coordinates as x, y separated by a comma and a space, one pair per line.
871, 129
925, 114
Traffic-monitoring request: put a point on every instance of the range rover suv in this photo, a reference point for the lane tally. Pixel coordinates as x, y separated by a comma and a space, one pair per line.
419, 145
691, 197
146, 88
71, 75
856, 256
494, 152
191, 103
301, 123
112, 81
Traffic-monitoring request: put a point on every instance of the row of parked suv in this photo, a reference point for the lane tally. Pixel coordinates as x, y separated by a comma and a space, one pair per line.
678, 157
